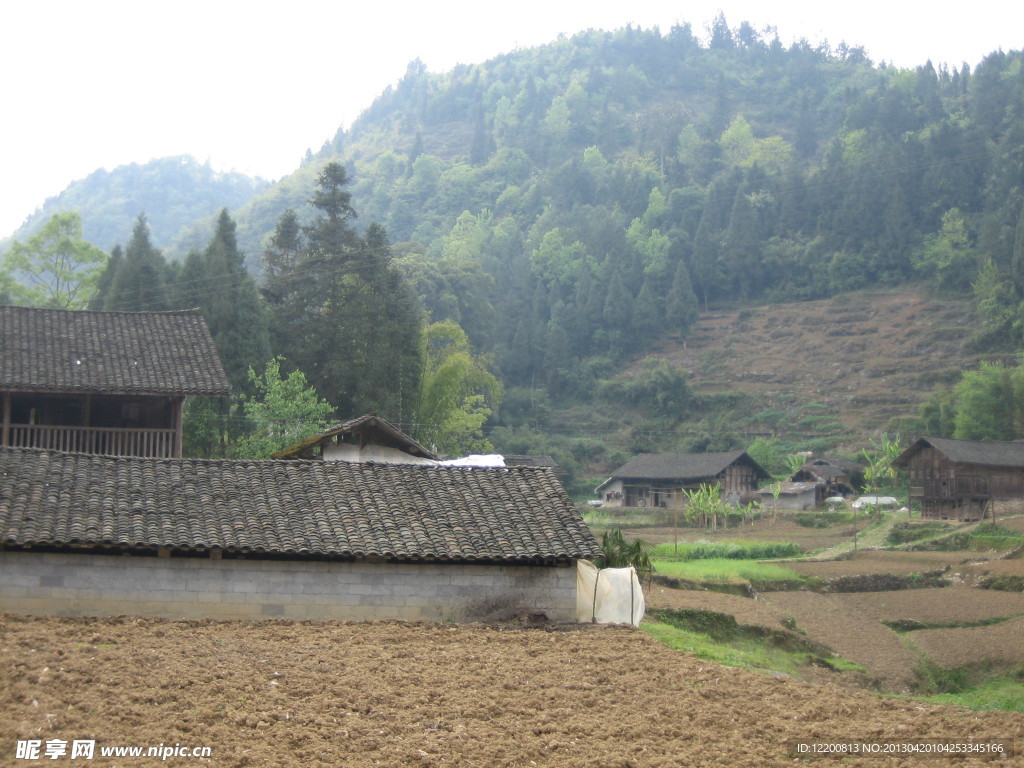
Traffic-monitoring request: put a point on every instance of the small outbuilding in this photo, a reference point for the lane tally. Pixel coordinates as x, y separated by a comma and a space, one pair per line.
661, 480
962, 479
790, 496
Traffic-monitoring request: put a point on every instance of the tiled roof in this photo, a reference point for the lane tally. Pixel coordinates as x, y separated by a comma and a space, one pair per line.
989, 453
314, 508
58, 350
384, 431
683, 466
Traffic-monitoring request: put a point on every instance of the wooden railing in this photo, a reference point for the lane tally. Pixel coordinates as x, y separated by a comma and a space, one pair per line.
109, 441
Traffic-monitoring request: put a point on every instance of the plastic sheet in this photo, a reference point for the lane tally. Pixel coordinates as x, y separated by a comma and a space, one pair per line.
608, 595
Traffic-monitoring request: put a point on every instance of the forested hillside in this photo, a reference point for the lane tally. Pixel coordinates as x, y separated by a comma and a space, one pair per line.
568, 211
180, 197
574, 200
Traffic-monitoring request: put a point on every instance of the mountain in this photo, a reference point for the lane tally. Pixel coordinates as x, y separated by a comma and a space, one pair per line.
585, 208
569, 204
179, 196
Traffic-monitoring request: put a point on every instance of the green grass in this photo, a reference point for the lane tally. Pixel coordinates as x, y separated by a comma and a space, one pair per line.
1004, 693
718, 638
731, 550
722, 569
984, 685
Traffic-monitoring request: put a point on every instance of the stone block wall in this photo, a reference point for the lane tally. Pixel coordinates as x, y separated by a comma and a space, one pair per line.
58, 584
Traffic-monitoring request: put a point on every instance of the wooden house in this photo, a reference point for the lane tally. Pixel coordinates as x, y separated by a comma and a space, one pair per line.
962, 479
660, 480
831, 476
109, 383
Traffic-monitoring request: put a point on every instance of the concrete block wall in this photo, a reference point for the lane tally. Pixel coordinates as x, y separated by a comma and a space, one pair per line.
58, 584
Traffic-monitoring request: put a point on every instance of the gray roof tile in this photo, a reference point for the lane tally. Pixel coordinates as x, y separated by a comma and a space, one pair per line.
683, 466
328, 509
57, 350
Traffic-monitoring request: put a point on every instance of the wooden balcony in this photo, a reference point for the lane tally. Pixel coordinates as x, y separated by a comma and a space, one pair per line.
109, 441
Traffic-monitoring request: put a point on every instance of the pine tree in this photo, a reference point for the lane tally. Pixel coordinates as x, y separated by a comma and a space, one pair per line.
139, 282
342, 312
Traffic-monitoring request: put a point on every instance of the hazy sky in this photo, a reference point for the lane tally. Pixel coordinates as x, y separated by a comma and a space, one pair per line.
87, 84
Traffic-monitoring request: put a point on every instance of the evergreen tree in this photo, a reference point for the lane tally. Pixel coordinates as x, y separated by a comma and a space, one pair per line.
342, 311
139, 281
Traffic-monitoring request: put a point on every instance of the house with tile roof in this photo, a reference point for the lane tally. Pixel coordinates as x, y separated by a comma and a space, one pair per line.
661, 480
365, 438
963, 479
99, 535
103, 382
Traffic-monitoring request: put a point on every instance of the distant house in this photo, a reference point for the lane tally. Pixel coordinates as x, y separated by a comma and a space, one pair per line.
366, 438
300, 539
791, 495
103, 382
962, 479
659, 480
832, 476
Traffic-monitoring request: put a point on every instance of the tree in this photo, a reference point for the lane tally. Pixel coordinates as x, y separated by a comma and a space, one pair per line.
946, 259
55, 267
990, 403
341, 308
284, 410
139, 282
459, 393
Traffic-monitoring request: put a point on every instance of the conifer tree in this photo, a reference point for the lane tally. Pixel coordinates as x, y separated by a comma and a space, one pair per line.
138, 284
350, 323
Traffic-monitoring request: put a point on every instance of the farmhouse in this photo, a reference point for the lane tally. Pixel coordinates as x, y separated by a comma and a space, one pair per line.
103, 382
832, 476
98, 535
659, 480
366, 438
962, 479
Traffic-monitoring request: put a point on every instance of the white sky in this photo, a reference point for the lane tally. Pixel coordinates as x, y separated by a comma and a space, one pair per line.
87, 84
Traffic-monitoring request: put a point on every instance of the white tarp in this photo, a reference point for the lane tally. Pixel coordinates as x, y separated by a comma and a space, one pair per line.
608, 595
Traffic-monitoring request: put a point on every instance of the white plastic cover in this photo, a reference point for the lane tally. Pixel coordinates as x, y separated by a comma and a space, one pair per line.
608, 595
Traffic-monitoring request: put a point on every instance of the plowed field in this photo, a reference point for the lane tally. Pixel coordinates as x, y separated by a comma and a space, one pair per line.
390, 694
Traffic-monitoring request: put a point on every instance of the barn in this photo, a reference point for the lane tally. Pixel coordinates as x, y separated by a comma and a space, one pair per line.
962, 479
104, 535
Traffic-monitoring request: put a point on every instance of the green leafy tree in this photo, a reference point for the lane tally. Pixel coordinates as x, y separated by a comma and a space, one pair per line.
946, 259
55, 267
459, 393
990, 403
284, 410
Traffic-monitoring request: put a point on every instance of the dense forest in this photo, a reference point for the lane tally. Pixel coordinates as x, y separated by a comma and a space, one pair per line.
564, 207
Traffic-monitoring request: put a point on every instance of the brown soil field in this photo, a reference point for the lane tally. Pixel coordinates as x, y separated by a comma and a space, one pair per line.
868, 357
286, 693
957, 647
886, 561
956, 604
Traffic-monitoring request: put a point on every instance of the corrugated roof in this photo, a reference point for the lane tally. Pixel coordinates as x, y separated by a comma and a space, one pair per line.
329, 509
683, 466
990, 453
58, 350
